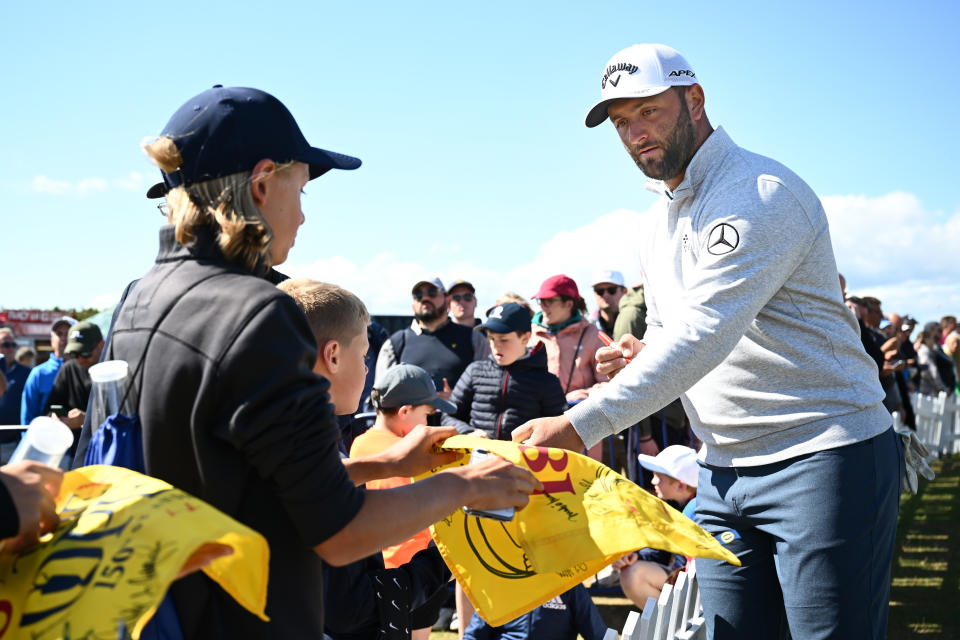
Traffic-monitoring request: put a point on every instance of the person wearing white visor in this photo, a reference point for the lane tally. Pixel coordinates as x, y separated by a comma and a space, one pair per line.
745, 323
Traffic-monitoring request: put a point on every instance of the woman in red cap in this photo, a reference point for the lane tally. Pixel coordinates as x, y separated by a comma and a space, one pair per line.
568, 336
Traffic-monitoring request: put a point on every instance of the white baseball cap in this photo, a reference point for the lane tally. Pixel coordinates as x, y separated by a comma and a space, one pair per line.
607, 275
676, 461
436, 282
640, 71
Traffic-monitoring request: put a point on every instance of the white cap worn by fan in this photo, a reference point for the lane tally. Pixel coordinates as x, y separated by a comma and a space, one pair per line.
676, 461
640, 71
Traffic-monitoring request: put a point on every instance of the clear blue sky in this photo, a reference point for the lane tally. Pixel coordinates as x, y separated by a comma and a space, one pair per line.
469, 121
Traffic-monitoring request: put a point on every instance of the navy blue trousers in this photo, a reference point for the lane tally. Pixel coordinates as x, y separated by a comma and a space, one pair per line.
816, 537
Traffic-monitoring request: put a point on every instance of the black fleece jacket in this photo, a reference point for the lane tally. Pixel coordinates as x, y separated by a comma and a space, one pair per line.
232, 413
499, 399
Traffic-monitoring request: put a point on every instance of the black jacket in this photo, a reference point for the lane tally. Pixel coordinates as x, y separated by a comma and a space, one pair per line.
233, 414
499, 399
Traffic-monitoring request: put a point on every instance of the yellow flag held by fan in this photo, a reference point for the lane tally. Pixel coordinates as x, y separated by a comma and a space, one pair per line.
122, 539
586, 517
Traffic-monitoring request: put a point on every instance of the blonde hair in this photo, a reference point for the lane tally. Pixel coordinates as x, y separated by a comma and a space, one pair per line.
510, 296
224, 203
333, 312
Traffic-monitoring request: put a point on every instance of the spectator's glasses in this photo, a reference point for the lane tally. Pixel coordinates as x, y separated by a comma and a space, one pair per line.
546, 302
463, 297
8, 345
163, 208
610, 291
428, 292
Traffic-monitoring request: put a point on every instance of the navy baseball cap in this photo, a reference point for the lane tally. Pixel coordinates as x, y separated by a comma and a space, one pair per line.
226, 130
404, 384
507, 317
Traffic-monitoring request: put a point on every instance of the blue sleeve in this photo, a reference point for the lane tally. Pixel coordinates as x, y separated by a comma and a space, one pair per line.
32, 401
690, 510
586, 617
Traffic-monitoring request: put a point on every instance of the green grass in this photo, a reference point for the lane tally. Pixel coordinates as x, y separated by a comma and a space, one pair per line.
925, 588
925, 591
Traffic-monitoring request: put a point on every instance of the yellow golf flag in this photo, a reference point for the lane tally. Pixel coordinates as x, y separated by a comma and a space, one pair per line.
122, 539
587, 517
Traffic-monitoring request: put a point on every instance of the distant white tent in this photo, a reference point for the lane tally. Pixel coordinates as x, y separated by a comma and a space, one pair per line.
103, 319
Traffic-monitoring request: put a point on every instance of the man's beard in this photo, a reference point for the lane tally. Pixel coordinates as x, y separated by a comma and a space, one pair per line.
677, 150
431, 313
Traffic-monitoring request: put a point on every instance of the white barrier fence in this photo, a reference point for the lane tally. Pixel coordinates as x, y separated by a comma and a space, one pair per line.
938, 422
676, 615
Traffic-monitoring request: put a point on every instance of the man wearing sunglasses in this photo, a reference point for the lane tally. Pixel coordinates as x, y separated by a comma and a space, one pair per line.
433, 341
16, 374
462, 298
608, 288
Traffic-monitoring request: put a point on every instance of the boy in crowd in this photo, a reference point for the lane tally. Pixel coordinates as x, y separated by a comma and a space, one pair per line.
643, 573
511, 386
404, 397
502, 391
354, 605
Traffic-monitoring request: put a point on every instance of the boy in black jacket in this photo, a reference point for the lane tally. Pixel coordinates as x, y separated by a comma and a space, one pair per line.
501, 392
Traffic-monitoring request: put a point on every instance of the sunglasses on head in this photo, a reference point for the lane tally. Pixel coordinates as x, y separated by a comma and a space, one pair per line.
611, 290
463, 297
8, 345
429, 292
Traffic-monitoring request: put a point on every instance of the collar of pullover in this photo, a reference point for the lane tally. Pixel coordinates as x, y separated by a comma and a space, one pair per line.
710, 153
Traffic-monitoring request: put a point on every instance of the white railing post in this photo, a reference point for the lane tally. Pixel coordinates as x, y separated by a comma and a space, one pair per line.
675, 619
675, 615
631, 628
648, 621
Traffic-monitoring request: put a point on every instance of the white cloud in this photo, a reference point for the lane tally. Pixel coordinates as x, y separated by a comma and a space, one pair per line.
384, 282
890, 247
86, 186
105, 300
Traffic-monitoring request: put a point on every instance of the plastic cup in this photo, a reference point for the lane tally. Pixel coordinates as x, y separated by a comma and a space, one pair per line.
46, 441
109, 387
109, 371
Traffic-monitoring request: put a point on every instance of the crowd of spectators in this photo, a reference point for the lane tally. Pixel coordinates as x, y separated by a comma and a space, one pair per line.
234, 373
907, 361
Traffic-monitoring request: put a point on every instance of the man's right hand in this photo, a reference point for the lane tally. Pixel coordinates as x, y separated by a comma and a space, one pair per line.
497, 483
32, 486
610, 360
417, 451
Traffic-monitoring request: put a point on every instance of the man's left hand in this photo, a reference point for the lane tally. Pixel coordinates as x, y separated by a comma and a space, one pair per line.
556, 431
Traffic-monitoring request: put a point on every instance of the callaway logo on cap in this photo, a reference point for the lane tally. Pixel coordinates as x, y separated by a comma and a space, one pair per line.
640, 71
